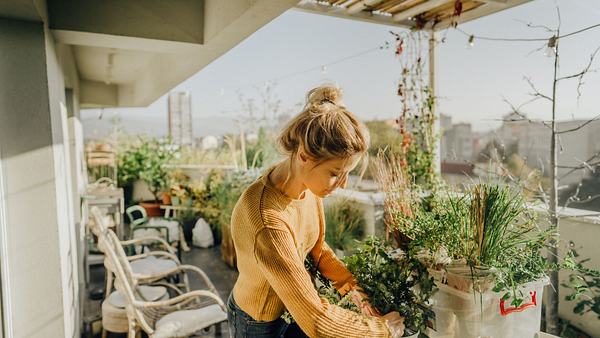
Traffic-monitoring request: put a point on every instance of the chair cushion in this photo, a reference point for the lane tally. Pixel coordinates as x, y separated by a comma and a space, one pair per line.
150, 293
152, 265
185, 322
173, 227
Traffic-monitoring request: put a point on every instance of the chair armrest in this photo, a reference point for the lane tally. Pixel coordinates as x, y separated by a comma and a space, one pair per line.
184, 298
155, 227
149, 238
168, 255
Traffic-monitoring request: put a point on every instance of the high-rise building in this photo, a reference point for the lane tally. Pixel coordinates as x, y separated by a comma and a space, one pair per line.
180, 118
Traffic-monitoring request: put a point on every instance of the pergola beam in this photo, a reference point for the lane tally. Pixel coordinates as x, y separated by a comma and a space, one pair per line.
341, 12
362, 5
418, 9
489, 7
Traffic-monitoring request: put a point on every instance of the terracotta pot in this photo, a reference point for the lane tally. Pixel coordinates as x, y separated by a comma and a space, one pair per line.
166, 198
152, 208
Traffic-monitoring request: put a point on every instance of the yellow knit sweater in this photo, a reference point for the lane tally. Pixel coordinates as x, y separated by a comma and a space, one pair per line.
273, 235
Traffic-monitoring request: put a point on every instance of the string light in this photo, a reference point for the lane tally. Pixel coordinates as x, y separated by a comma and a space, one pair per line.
551, 47
471, 42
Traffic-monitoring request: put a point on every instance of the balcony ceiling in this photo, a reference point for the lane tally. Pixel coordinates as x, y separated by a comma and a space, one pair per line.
130, 53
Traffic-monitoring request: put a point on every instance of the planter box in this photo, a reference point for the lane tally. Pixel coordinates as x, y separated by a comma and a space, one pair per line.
462, 314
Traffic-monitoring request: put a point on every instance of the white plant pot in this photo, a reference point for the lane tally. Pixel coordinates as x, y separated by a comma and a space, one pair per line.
416, 335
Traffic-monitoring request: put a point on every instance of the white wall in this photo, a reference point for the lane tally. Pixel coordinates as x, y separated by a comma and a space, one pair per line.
39, 274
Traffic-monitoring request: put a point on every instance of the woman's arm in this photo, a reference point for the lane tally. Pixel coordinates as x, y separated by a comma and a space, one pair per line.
278, 260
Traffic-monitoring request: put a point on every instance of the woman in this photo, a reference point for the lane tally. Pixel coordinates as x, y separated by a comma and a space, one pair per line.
279, 220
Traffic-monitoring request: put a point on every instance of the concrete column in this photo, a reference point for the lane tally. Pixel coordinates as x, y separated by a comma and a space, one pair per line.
39, 279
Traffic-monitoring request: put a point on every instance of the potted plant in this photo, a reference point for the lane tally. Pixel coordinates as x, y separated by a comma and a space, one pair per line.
177, 186
187, 218
394, 280
153, 155
128, 169
486, 242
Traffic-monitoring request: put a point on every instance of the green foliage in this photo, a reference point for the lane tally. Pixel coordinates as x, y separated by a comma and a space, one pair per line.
223, 189
384, 137
584, 284
145, 160
487, 227
420, 159
263, 152
393, 281
187, 216
415, 147
325, 289
344, 225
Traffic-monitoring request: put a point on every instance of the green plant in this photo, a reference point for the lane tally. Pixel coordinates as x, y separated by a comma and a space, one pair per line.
416, 119
393, 281
344, 225
145, 160
187, 218
129, 165
584, 284
489, 228
222, 190
325, 289
263, 152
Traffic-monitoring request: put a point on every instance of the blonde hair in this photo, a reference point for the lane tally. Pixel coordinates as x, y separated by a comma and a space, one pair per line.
325, 129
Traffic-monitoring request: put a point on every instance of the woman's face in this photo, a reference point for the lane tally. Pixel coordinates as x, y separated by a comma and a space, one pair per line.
322, 178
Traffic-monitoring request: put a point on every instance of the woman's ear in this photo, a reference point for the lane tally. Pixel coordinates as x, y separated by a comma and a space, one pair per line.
302, 156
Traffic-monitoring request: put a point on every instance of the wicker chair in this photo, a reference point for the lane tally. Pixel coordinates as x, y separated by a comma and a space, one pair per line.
148, 266
181, 316
169, 229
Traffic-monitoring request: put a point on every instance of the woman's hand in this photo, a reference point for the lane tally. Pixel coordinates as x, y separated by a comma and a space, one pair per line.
395, 323
394, 320
360, 299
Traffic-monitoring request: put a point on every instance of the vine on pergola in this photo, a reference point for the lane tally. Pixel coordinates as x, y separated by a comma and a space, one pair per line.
416, 118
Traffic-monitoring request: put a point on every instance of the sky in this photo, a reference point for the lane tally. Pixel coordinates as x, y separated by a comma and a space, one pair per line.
472, 83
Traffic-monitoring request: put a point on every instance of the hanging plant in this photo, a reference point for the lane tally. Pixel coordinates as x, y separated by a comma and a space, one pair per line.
416, 118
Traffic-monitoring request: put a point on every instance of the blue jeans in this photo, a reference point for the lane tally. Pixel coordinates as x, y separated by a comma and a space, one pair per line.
241, 325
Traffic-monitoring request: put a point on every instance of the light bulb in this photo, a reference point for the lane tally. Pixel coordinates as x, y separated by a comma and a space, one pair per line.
551, 47
323, 70
471, 42
550, 51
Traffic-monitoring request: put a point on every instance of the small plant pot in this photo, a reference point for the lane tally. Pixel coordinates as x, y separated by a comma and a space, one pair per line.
187, 202
152, 208
409, 334
175, 200
166, 199
467, 279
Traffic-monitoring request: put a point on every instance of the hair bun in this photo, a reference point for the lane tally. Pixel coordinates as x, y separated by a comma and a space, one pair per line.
323, 94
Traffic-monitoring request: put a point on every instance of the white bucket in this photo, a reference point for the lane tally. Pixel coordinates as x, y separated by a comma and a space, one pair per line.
461, 314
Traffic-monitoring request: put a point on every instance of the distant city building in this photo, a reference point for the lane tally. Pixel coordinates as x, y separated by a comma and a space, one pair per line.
531, 140
457, 141
180, 118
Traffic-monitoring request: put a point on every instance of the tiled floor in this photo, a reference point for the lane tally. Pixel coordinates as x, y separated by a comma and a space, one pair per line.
208, 260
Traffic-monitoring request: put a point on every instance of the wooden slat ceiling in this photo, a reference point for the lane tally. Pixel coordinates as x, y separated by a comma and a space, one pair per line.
420, 14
